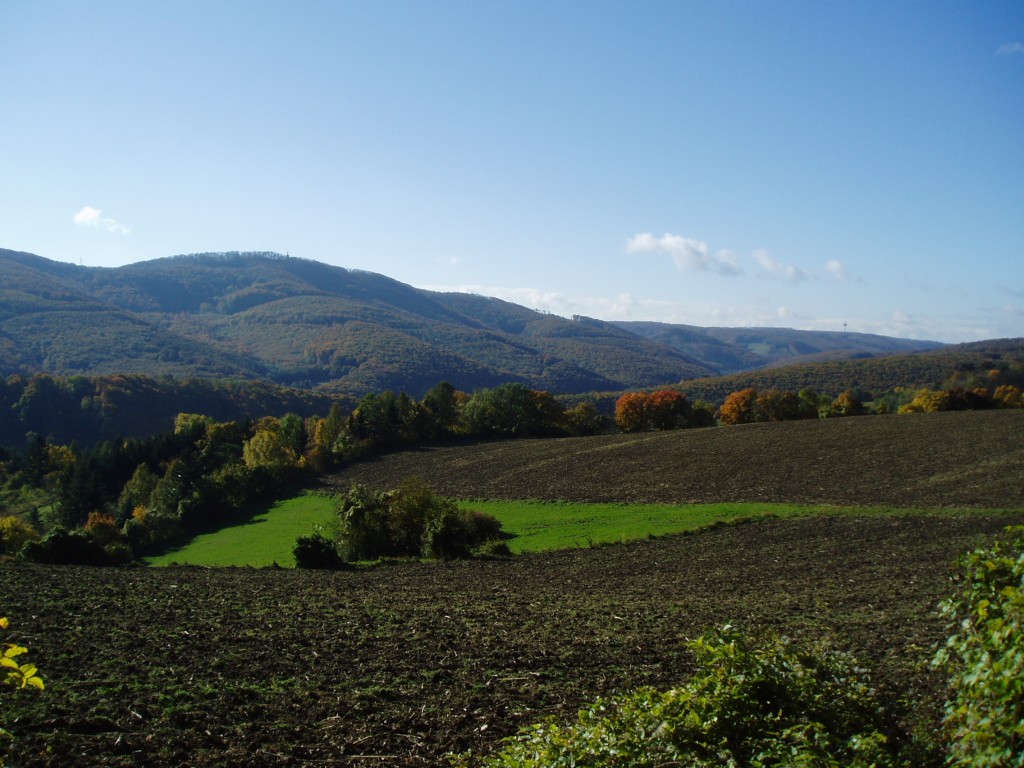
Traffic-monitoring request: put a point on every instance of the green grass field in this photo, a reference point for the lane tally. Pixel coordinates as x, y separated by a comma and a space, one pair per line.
539, 526
536, 526
264, 539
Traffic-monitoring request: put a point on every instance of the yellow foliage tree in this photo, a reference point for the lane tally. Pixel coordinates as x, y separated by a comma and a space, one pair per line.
14, 534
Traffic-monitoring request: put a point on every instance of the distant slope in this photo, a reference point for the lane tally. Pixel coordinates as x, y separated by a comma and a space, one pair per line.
729, 350
305, 324
869, 377
271, 318
968, 458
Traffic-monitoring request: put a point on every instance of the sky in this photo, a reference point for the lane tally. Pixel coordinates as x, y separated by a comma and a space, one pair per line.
815, 165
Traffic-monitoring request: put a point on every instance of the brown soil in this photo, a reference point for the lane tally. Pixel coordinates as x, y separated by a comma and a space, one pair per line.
964, 459
401, 665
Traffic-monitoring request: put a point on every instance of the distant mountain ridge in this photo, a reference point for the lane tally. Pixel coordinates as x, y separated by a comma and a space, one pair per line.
733, 350
281, 319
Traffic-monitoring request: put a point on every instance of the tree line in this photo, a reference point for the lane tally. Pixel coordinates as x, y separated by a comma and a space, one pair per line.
112, 501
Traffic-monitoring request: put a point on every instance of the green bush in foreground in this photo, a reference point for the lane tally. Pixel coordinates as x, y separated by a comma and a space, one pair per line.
779, 704
985, 711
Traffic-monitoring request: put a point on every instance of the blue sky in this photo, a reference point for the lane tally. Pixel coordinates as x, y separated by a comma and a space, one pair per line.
800, 164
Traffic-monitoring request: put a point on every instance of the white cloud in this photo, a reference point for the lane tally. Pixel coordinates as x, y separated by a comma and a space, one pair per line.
93, 217
773, 266
1010, 49
838, 272
687, 253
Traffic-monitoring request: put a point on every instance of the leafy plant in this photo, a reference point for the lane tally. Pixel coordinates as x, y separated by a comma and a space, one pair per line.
985, 711
409, 521
777, 704
316, 551
15, 674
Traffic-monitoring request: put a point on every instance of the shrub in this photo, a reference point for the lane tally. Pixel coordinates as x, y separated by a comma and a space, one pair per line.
60, 547
316, 551
14, 534
985, 711
780, 704
410, 521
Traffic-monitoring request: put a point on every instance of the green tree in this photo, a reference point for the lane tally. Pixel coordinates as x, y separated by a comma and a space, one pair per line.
442, 404
512, 410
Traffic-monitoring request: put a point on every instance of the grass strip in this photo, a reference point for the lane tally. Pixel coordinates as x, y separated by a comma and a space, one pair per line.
264, 539
536, 526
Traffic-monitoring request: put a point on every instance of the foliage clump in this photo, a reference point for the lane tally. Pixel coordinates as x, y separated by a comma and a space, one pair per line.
317, 551
985, 710
14, 673
775, 704
409, 521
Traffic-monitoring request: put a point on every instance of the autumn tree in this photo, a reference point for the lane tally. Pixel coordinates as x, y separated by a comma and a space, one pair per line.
668, 409
739, 407
631, 412
846, 404
584, 419
777, 405
1009, 396
267, 451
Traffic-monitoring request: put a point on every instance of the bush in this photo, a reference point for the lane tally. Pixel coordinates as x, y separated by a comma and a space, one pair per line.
316, 551
779, 704
985, 711
410, 521
59, 547
14, 534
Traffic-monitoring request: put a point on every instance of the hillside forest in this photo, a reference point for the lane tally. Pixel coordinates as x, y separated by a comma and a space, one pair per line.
111, 501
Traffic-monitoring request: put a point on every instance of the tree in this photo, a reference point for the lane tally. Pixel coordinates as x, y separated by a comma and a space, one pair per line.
631, 412
267, 451
777, 405
927, 401
512, 410
739, 407
846, 404
442, 404
668, 409
14, 534
584, 419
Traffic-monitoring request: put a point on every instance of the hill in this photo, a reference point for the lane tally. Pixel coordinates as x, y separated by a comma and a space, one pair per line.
302, 323
969, 459
289, 321
731, 350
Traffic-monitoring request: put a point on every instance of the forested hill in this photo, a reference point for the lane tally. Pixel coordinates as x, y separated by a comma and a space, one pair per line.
732, 350
267, 317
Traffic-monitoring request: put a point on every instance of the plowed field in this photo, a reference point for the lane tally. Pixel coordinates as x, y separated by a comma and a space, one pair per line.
970, 459
400, 665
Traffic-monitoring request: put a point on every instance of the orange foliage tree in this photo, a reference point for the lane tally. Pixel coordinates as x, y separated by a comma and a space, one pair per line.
663, 409
739, 407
